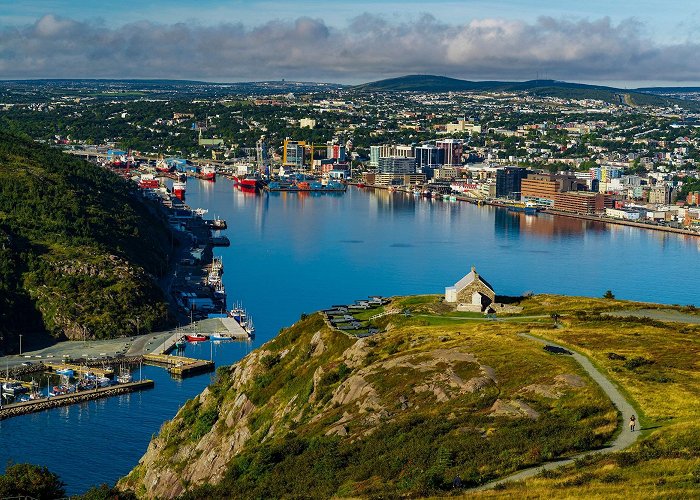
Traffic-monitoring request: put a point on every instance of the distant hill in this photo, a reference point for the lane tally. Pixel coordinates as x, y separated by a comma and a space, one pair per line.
102, 89
545, 88
79, 250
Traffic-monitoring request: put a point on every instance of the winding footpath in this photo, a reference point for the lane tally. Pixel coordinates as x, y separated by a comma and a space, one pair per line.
624, 439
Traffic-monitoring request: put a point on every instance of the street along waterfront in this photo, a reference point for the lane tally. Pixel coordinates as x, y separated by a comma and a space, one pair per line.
294, 253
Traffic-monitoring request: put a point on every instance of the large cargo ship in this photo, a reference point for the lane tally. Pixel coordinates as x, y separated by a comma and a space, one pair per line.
179, 189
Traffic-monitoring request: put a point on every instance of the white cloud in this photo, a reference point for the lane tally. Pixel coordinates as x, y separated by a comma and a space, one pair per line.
369, 47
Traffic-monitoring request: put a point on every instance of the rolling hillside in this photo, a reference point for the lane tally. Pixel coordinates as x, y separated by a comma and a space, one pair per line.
548, 88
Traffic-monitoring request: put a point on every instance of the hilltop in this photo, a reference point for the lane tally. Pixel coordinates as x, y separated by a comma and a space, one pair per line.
548, 88
79, 250
317, 413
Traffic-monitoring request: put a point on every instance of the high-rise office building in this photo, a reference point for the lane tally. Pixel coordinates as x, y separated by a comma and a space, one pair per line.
508, 182
453, 149
429, 156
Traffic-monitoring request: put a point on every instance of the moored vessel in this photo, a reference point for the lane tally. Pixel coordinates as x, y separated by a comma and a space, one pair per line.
179, 188
208, 173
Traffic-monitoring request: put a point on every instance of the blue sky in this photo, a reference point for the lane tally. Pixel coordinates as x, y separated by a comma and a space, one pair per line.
630, 42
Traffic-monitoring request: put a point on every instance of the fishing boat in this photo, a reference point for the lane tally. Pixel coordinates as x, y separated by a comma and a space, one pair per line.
65, 371
197, 337
243, 318
124, 376
180, 343
13, 388
220, 337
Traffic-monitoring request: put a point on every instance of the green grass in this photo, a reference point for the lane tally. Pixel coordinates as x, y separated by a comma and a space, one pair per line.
411, 426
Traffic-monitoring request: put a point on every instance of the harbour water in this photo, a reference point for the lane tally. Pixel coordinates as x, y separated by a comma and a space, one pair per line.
295, 253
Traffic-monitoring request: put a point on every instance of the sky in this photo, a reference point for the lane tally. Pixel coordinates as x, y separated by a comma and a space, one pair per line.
617, 42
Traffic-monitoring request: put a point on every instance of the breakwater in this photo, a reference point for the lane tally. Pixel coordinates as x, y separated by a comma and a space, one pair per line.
16, 409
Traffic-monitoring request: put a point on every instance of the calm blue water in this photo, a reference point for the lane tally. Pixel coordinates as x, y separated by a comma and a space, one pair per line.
295, 253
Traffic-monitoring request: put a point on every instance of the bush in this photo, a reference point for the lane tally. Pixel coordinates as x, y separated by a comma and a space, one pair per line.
637, 362
616, 357
30, 480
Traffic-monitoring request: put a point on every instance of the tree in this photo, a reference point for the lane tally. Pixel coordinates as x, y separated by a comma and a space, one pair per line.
31, 480
608, 295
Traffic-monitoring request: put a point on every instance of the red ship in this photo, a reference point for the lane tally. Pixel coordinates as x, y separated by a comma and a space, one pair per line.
179, 189
248, 184
208, 173
148, 181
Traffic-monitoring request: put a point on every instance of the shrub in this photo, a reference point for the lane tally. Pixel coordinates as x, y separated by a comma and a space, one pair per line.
637, 362
270, 360
616, 357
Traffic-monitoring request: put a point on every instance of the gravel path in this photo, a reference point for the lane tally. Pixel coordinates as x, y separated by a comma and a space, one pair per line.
624, 439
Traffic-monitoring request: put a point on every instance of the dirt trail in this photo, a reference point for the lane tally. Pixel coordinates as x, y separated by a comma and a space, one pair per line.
624, 439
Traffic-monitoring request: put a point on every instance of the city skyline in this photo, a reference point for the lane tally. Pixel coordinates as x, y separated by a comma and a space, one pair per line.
321, 41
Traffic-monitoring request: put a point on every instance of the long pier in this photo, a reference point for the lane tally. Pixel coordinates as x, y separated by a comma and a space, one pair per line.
179, 366
16, 409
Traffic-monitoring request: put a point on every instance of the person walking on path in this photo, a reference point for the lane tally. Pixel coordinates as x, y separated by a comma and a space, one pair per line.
633, 421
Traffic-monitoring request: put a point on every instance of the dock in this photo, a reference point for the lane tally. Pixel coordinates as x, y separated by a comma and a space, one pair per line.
179, 366
234, 328
23, 408
81, 369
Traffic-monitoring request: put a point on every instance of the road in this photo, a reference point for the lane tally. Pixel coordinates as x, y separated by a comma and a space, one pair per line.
624, 439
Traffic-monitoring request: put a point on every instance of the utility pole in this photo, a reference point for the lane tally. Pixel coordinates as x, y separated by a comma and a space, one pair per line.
20, 344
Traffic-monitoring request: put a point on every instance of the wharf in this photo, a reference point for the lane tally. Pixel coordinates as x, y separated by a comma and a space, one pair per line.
16, 409
234, 328
102, 372
179, 365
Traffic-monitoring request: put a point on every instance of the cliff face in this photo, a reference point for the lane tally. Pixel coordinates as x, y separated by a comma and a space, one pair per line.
79, 250
316, 413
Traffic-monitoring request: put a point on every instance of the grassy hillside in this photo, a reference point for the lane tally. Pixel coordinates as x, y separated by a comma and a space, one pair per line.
315, 413
78, 250
658, 365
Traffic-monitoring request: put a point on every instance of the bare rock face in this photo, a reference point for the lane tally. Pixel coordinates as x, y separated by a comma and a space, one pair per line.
206, 459
513, 409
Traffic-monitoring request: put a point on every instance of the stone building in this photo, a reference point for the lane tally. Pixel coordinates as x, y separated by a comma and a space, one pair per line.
472, 293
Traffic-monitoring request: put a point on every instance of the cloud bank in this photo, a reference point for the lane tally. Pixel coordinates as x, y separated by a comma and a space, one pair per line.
367, 48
